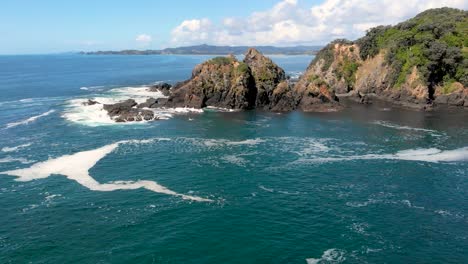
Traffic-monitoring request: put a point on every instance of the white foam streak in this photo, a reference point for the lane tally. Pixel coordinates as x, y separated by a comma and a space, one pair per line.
11, 159
426, 155
12, 149
332, 255
29, 120
394, 126
76, 167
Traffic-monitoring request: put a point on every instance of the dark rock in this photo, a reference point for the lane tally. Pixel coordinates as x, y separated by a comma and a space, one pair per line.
267, 77
91, 102
120, 108
364, 99
153, 103
164, 88
220, 82
126, 112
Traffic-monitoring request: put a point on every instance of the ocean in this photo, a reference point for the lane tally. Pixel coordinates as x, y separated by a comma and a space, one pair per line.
370, 184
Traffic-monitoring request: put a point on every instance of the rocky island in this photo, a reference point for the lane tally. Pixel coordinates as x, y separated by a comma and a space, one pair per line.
421, 63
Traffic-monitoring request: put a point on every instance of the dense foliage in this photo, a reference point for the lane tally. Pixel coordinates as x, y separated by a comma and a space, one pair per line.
220, 61
434, 41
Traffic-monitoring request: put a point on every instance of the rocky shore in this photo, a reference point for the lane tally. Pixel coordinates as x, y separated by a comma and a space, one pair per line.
405, 69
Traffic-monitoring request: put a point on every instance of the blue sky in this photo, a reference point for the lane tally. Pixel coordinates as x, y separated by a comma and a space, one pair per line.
48, 26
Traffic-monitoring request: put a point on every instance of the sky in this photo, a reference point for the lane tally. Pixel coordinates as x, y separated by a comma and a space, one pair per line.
53, 26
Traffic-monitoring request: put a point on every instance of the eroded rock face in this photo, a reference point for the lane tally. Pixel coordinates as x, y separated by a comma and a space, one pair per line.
220, 82
338, 68
267, 77
256, 82
315, 89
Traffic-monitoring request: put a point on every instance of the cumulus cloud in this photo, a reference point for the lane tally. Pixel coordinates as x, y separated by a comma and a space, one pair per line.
143, 39
290, 23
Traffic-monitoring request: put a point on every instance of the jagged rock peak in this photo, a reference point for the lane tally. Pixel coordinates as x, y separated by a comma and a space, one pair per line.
267, 77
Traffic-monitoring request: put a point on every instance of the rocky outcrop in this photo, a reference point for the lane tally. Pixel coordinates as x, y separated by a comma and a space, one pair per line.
397, 64
163, 88
126, 111
220, 82
268, 76
257, 82
454, 95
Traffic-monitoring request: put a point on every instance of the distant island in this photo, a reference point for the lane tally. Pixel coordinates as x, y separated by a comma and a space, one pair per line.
214, 50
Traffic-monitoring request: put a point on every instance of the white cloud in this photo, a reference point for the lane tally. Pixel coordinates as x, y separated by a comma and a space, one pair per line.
290, 23
143, 39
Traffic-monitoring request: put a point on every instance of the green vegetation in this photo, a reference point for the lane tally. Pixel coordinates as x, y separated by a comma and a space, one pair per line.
449, 87
243, 68
347, 70
220, 61
327, 53
434, 41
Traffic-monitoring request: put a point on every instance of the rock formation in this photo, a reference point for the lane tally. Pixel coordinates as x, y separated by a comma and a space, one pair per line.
419, 63
126, 111
220, 82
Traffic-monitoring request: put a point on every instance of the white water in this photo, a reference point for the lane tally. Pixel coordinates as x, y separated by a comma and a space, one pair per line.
394, 126
332, 255
76, 167
13, 149
78, 111
433, 155
29, 120
11, 159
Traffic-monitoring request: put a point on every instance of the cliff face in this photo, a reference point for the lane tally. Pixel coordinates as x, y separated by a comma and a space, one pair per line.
267, 77
418, 63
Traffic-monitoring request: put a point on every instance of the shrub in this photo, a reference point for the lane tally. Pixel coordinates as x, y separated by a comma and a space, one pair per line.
220, 61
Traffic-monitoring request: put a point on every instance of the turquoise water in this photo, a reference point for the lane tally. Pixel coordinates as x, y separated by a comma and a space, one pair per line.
371, 184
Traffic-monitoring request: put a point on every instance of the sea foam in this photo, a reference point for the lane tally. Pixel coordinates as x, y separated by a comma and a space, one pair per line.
332, 255
78, 111
400, 127
29, 120
13, 149
433, 155
76, 167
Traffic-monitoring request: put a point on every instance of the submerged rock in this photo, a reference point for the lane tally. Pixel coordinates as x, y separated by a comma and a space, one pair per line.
90, 102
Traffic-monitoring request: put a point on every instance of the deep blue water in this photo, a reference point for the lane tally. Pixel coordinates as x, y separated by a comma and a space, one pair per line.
371, 184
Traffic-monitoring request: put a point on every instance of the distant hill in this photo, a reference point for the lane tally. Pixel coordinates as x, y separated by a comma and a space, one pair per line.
215, 50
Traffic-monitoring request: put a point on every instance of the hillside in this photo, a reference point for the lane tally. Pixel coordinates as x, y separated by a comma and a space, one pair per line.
418, 62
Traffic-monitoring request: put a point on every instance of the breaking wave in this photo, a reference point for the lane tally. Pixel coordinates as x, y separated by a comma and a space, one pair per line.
78, 111
76, 167
29, 120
